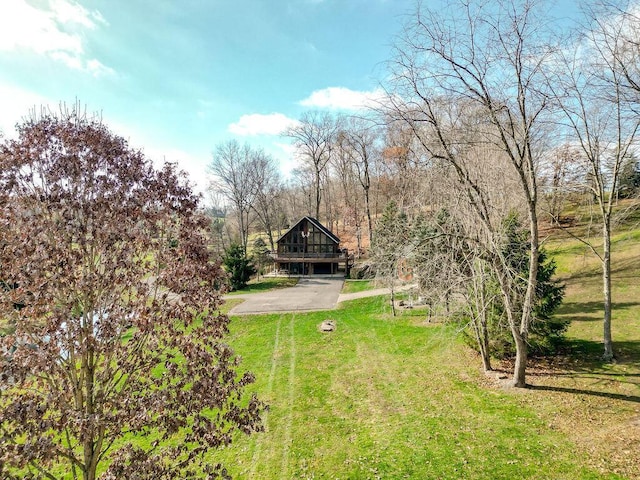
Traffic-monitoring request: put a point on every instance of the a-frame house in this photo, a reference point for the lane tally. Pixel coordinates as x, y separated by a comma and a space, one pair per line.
309, 248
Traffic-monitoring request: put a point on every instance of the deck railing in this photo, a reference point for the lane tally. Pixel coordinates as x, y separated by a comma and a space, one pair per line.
310, 255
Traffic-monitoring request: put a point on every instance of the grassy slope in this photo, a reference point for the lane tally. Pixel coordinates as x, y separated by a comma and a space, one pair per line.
388, 398
354, 286
597, 404
266, 283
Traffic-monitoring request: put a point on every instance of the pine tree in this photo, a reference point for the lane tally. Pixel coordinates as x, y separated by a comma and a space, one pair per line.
238, 265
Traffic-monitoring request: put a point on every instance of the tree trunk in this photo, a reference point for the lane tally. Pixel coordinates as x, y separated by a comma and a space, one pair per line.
521, 335
479, 328
271, 241
393, 300
480, 321
318, 196
90, 455
368, 209
486, 356
606, 288
244, 230
519, 371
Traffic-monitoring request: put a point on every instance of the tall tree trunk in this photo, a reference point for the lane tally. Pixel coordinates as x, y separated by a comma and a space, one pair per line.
517, 331
519, 373
368, 210
318, 195
486, 358
393, 300
606, 284
519, 370
479, 319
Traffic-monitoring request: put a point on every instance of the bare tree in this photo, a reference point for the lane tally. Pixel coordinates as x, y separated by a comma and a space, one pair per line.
300, 193
115, 304
348, 201
314, 138
268, 194
596, 90
561, 176
471, 72
402, 172
235, 168
216, 210
360, 138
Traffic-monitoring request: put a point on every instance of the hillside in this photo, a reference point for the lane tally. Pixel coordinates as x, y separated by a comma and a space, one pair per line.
387, 397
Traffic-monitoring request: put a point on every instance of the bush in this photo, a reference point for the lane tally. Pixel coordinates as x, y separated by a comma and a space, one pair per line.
362, 271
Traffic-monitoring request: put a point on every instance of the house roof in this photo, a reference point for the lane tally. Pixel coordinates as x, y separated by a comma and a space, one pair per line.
317, 224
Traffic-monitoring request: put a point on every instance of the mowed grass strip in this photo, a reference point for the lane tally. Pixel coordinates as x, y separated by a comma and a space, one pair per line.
385, 397
355, 286
265, 284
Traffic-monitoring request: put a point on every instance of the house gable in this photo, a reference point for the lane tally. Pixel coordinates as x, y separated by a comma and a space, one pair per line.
309, 248
309, 225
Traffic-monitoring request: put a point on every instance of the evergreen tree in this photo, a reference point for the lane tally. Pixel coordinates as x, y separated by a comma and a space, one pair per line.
238, 265
545, 331
260, 255
390, 246
629, 180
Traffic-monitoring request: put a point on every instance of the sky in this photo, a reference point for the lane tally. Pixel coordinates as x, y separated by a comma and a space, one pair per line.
178, 77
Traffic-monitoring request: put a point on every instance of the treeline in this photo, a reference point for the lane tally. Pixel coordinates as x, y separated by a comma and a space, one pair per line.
349, 169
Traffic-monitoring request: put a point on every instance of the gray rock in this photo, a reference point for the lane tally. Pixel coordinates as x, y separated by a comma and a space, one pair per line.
328, 326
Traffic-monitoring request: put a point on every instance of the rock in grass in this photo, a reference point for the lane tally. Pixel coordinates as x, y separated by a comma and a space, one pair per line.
328, 326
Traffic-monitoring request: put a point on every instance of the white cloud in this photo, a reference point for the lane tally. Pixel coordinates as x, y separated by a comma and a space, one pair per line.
258, 124
341, 98
54, 31
194, 166
69, 12
98, 69
287, 156
17, 104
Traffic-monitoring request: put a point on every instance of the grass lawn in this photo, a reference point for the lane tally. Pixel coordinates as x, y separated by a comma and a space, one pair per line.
264, 284
354, 286
385, 397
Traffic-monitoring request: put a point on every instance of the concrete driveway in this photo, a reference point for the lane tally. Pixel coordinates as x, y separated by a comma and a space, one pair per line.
310, 293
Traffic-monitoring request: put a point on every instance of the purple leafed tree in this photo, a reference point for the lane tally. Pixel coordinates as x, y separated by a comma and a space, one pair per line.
112, 357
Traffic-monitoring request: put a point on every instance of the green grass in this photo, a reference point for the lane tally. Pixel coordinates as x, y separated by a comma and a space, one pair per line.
385, 397
265, 284
394, 397
354, 286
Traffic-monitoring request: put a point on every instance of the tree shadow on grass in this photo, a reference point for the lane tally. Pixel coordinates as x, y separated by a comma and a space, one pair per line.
577, 310
622, 268
582, 360
581, 355
579, 391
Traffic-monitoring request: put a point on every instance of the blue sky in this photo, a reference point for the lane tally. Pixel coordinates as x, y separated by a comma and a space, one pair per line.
177, 77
